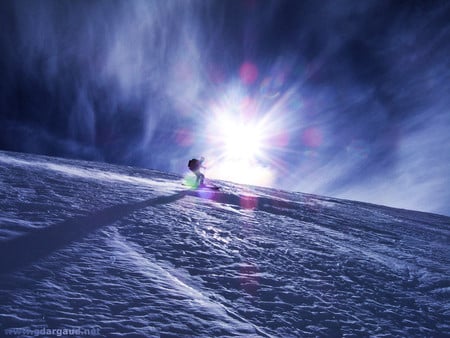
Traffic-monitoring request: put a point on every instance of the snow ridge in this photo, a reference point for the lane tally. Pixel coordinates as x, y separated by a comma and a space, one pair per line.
131, 251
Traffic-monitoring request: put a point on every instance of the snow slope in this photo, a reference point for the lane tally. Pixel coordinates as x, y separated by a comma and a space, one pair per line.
131, 252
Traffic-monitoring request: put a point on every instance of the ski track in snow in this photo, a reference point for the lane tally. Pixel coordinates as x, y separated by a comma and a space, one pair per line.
131, 252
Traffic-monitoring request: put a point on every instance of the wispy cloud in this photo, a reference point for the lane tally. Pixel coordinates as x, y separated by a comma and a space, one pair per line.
361, 88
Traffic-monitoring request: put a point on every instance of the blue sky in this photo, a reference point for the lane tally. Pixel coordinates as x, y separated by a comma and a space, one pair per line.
341, 98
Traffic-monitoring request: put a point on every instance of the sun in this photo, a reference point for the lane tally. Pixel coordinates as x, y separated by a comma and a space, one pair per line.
241, 141
236, 137
243, 135
238, 147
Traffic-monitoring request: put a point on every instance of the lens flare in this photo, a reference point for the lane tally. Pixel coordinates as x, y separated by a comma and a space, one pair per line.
312, 137
190, 181
183, 137
249, 202
245, 127
358, 149
248, 73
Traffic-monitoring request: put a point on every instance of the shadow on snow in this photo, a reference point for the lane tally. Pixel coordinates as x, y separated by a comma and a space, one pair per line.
26, 249
32, 246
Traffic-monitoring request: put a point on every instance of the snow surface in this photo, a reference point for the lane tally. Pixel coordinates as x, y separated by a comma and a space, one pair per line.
132, 252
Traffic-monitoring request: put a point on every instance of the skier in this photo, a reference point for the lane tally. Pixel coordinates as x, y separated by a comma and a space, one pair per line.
194, 165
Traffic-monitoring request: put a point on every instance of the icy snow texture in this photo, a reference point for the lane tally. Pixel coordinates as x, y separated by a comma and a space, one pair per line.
131, 251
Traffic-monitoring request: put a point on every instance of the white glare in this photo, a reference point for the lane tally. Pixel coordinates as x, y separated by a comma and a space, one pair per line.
239, 145
242, 141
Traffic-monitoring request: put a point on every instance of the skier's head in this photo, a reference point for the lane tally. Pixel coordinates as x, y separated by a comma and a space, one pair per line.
194, 164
